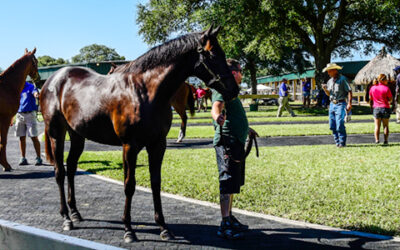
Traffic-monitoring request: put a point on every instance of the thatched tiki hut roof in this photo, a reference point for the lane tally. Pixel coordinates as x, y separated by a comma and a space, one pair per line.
383, 63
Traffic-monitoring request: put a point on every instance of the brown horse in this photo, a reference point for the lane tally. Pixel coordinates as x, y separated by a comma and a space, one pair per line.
182, 98
128, 109
207, 96
12, 82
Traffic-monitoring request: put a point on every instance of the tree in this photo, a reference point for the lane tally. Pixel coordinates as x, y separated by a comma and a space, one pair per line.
96, 53
334, 27
241, 20
48, 61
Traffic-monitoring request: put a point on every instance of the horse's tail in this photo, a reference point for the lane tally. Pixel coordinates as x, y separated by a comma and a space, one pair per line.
49, 153
190, 100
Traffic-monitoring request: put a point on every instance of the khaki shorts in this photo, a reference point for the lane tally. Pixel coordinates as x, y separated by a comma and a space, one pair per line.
26, 123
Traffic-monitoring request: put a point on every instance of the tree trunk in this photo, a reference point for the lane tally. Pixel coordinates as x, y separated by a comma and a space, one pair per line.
320, 63
320, 77
253, 75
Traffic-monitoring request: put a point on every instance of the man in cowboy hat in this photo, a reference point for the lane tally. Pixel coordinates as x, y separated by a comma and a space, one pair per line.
338, 89
396, 99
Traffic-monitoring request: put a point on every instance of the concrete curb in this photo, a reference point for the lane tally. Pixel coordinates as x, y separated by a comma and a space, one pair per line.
258, 215
18, 236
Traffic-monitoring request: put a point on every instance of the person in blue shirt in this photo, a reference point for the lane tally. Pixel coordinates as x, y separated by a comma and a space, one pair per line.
306, 92
26, 122
284, 99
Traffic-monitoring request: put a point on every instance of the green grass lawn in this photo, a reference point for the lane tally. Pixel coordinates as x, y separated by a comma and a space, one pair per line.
355, 188
286, 130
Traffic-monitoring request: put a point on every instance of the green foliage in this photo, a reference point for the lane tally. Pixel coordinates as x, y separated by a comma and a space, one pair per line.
333, 27
279, 35
96, 53
48, 61
243, 22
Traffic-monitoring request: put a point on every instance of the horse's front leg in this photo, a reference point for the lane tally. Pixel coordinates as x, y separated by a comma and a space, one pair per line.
4, 126
156, 154
129, 157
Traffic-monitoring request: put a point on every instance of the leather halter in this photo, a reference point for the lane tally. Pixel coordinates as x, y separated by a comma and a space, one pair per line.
215, 77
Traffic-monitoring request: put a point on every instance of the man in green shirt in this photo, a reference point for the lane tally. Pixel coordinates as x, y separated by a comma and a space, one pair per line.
230, 153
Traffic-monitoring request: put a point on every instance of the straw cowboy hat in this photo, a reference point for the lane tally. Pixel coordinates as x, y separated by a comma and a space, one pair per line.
331, 66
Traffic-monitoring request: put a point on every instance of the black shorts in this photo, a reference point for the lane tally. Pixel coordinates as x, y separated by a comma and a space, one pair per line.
383, 113
231, 165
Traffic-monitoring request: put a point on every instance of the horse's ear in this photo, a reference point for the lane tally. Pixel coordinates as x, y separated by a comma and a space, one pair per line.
26, 51
215, 31
205, 37
113, 65
33, 51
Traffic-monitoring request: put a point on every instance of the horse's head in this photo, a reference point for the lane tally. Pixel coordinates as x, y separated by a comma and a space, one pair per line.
33, 69
212, 67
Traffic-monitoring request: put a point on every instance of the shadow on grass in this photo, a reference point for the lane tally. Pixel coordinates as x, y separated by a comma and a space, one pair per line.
105, 165
259, 238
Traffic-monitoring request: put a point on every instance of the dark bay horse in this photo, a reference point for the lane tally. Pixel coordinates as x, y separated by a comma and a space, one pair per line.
183, 98
12, 82
180, 100
128, 109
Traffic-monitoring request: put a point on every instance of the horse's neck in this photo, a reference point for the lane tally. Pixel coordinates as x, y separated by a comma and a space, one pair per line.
171, 79
14, 79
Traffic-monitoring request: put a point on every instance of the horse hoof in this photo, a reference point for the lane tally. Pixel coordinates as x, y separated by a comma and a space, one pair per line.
76, 217
67, 225
9, 169
130, 237
167, 235
179, 140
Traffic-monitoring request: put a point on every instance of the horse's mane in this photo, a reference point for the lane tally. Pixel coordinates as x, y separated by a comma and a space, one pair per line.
14, 66
162, 54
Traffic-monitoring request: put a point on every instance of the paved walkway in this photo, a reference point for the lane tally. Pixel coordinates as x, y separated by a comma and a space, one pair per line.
29, 196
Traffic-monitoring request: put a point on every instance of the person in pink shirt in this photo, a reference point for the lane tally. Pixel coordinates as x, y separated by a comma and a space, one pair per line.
200, 93
380, 98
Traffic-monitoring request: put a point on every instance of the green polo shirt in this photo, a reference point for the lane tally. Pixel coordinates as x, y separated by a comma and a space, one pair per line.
236, 123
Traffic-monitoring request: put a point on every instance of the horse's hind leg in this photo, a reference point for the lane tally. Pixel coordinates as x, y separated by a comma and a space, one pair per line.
75, 151
129, 156
57, 138
156, 155
4, 126
182, 132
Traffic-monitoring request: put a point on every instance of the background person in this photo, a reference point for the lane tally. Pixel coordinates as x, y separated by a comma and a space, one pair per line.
200, 93
284, 99
396, 99
338, 89
380, 97
230, 153
26, 122
306, 92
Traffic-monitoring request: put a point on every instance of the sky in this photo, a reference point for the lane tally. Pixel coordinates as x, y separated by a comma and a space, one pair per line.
60, 28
